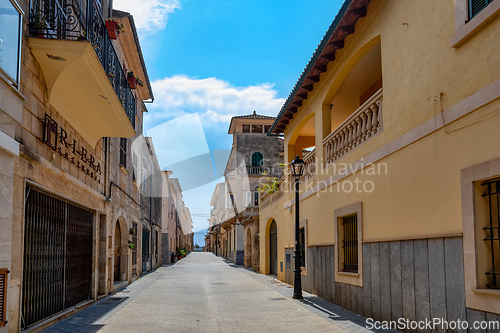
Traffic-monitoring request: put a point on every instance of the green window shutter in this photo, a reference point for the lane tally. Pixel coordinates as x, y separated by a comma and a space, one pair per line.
475, 6
257, 159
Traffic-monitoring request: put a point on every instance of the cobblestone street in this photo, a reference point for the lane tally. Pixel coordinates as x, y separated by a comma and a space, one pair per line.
204, 293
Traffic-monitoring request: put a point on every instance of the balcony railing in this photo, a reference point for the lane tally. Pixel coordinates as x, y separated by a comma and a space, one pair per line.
362, 124
251, 211
255, 170
270, 171
310, 167
82, 20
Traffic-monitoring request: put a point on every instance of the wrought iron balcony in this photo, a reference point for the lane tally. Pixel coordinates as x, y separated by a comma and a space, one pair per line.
81, 21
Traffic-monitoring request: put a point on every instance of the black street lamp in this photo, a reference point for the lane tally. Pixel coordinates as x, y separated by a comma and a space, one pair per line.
296, 170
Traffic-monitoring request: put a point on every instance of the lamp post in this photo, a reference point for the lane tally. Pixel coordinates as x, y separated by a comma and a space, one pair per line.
296, 170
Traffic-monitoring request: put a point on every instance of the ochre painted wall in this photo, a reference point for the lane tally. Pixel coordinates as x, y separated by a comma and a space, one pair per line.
422, 76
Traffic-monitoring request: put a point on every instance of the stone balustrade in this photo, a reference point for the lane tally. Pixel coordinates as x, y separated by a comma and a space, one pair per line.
361, 125
310, 167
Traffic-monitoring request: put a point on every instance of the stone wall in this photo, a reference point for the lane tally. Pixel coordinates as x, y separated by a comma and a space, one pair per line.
248, 143
412, 279
252, 249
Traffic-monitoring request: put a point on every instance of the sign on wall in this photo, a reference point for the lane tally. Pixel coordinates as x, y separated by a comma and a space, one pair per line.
56, 137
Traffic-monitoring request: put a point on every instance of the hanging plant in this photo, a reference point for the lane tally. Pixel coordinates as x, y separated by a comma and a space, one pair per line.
132, 231
131, 245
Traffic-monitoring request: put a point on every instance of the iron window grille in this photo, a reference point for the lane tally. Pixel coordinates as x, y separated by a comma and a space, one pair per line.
302, 246
350, 243
3, 295
123, 152
492, 230
475, 6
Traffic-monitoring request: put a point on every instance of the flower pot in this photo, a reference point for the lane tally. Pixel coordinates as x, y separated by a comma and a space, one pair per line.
132, 82
112, 28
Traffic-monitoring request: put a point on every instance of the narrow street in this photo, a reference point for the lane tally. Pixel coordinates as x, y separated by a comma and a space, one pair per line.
204, 293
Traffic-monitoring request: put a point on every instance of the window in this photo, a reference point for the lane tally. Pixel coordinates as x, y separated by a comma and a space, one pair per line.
123, 152
257, 159
256, 128
248, 199
480, 187
10, 39
302, 246
134, 241
246, 128
144, 177
267, 128
231, 200
490, 225
256, 197
349, 227
472, 16
348, 249
475, 6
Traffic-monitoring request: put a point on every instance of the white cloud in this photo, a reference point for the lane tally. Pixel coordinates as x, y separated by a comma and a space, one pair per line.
150, 14
178, 139
215, 100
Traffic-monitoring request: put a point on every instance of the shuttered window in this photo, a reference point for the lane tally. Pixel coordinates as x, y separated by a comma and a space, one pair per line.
3, 295
123, 152
475, 6
134, 241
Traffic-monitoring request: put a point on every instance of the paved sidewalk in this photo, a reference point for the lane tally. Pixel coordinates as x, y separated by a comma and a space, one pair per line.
204, 293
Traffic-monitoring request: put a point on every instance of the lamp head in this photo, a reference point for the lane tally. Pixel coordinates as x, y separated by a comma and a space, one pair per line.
297, 167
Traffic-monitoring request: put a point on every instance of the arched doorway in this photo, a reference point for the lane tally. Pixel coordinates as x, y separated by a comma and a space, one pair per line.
273, 248
118, 251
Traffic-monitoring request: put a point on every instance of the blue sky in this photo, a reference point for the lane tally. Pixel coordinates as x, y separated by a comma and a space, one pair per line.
209, 60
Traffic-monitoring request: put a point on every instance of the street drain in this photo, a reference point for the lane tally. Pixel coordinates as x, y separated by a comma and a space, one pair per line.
109, 301
277, 299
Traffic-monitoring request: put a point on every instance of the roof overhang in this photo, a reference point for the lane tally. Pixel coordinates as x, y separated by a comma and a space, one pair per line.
133, 53
341, 27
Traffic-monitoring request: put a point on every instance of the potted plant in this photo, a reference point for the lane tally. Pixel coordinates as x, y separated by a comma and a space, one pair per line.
131, 245
39, 25
132, 231
114, 28
133, 81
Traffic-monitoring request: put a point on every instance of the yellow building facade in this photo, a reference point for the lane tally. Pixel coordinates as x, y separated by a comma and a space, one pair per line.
398, 110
